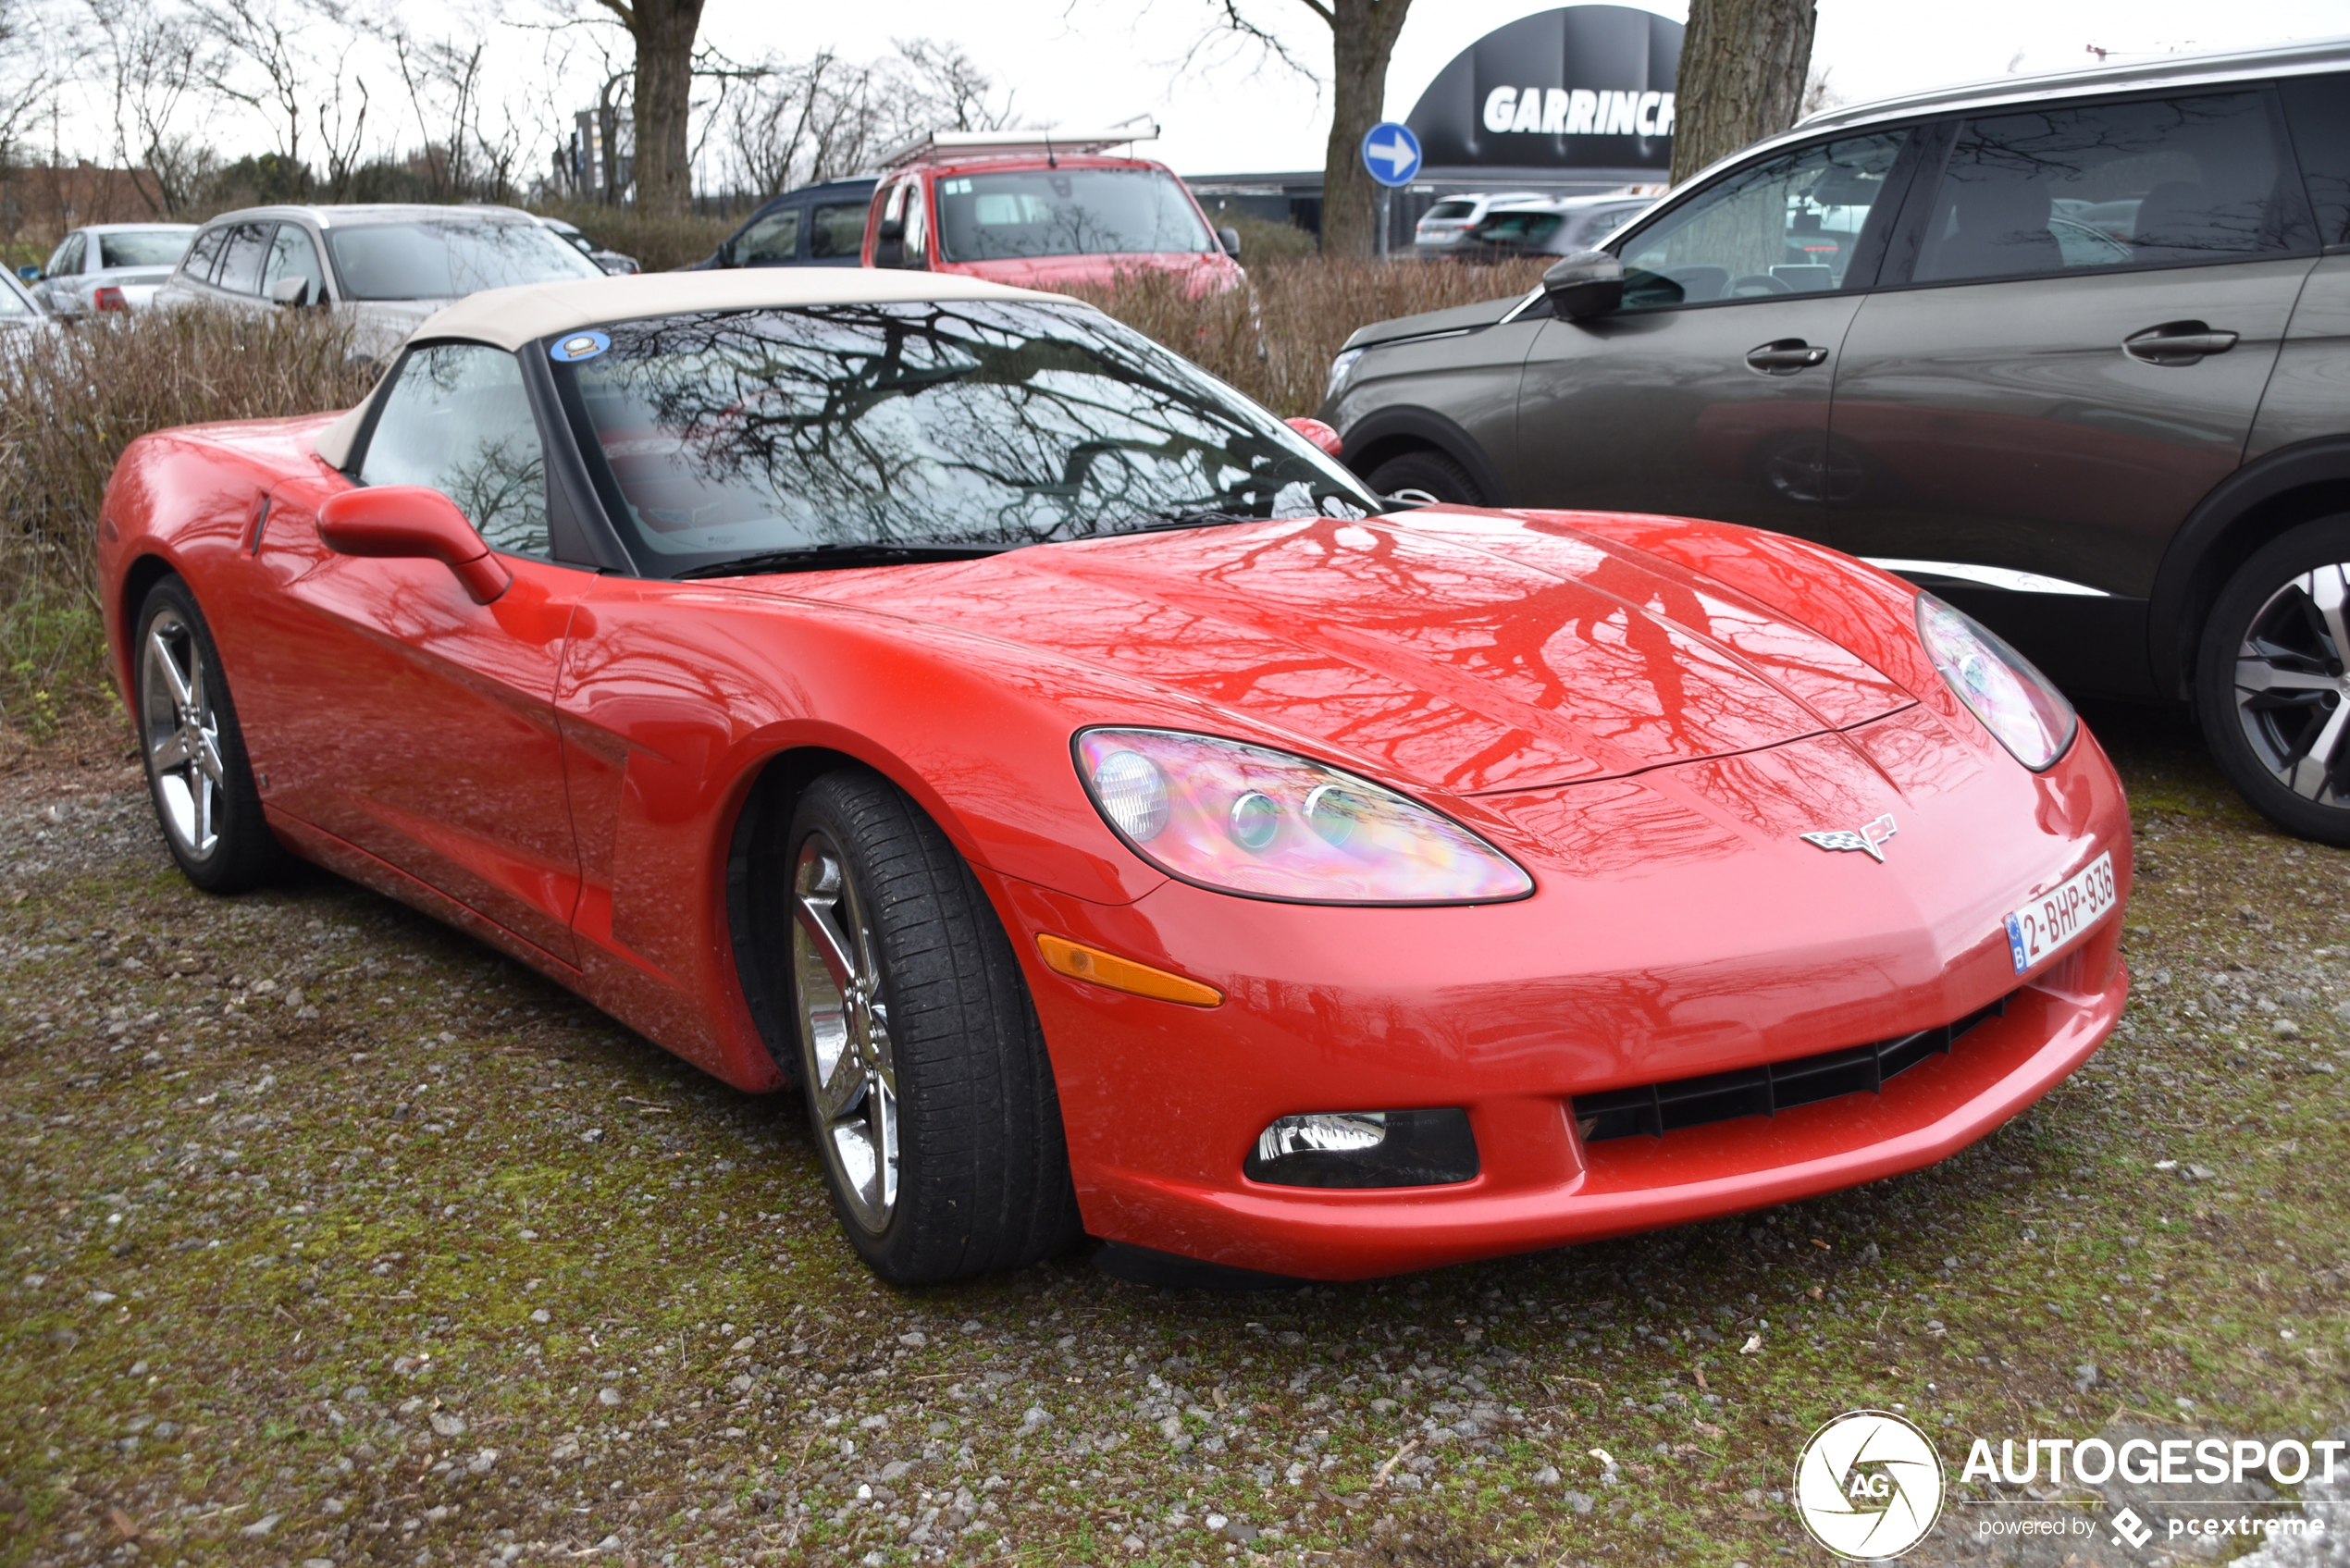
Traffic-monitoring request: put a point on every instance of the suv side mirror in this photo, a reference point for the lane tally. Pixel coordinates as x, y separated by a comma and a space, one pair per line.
890, 242
412, 523
1584, 284
290, 291
725, 252
1230, 240
30, 274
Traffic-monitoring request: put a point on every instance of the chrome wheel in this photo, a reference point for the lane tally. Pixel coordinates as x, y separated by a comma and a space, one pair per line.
181, 730
2291, 688
847, 1065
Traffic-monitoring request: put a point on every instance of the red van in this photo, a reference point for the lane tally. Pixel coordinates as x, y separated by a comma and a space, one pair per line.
1033, 210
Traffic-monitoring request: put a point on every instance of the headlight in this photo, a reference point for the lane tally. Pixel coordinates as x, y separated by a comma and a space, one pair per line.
1245, 818
1341, 368
2015, 702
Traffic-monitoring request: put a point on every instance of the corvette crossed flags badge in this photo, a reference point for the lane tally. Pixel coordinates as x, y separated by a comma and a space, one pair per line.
1868, 841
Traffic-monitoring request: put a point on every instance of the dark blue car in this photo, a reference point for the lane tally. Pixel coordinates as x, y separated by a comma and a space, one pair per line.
814, 226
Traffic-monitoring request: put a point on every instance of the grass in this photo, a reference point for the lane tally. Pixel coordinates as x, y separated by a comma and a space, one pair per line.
320, 1215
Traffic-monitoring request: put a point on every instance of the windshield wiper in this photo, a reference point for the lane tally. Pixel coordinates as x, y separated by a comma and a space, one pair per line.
825, 558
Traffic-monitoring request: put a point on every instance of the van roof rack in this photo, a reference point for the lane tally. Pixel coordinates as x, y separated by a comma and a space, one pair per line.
934, 144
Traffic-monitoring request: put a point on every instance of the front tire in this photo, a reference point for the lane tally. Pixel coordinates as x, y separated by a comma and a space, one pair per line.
928, 1092
1428, 477
198, 775
2271, 687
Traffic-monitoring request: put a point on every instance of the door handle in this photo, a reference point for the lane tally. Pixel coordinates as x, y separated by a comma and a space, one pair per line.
1785, 357
2177, 342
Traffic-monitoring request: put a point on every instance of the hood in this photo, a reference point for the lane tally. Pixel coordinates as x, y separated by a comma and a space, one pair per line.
1459, 651
1459, 318
1206, 271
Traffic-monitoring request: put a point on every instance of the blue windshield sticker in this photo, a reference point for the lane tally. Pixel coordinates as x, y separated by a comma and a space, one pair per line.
575, 346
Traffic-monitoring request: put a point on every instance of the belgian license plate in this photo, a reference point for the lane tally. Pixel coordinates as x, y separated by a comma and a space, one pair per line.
2061, 914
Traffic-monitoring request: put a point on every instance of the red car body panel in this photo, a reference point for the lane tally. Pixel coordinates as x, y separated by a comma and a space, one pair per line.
1644, 713
1201, 272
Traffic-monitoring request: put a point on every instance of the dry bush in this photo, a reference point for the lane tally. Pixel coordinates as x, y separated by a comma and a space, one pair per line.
659, 244
69, 402
1303, 311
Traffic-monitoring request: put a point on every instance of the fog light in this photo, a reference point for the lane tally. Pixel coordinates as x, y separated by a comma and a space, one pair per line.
1427, 1148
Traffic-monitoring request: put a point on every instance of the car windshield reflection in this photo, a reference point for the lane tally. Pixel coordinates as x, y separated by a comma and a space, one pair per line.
980, 424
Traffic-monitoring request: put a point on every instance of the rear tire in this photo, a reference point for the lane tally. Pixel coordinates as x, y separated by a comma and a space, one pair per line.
197, 773
2271, 689
1428, 477
929, 1091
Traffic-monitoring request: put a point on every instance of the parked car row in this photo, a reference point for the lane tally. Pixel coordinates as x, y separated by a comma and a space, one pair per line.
2070, 351
1505, 226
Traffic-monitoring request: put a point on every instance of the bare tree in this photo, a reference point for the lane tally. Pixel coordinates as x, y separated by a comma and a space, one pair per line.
156, 65
825, 117
664, 32
1363, 34
39, 52
1744, 67
269, 69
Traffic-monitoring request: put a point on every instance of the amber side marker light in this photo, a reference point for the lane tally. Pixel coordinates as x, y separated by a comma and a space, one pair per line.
1081, 962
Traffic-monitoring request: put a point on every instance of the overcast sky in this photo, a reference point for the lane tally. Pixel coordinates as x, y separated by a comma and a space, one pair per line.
1092, 62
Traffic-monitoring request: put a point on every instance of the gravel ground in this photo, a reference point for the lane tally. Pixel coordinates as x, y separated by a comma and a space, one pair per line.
332, 1238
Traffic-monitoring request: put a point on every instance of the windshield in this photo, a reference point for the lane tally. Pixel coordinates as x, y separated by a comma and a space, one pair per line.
145, 247
445, 260
992, 424
1066, 212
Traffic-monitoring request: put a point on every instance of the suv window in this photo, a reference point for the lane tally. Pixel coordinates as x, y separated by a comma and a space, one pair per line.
240, 263
292, 255
458, 421
2316, 108
772, 238
1787, 225
204, 254
2159, 183
836, 228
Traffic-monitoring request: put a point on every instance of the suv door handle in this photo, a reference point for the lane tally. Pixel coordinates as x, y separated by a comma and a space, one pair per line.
1785, 357
2177, 342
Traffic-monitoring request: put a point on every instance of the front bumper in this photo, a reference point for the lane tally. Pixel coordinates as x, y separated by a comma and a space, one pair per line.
1714, 961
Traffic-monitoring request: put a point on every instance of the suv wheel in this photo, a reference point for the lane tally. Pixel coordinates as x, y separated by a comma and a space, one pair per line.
1429, 478
2272, 681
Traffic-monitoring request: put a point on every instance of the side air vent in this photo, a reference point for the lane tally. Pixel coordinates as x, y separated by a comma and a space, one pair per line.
1655, 1109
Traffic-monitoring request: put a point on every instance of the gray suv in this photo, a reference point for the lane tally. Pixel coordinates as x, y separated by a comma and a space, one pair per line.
2073, 353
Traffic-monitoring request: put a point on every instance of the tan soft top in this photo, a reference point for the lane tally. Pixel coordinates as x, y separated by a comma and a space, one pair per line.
511, 317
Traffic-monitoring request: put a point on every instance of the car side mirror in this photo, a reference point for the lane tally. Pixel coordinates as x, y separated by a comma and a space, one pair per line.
890, 242
30, 274
1321, 435
1230, 240
725, 252
1585, 284
293, 292
411, 522
892, 232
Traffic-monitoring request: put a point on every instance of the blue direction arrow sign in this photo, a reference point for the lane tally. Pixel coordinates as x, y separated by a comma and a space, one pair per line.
1392, 152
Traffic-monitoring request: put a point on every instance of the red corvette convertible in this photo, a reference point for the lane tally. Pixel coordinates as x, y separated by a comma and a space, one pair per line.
1115, 819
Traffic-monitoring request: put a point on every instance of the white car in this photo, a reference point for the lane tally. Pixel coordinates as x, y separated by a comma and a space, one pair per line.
109, 266
387, 266
22, 319
1444, 224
